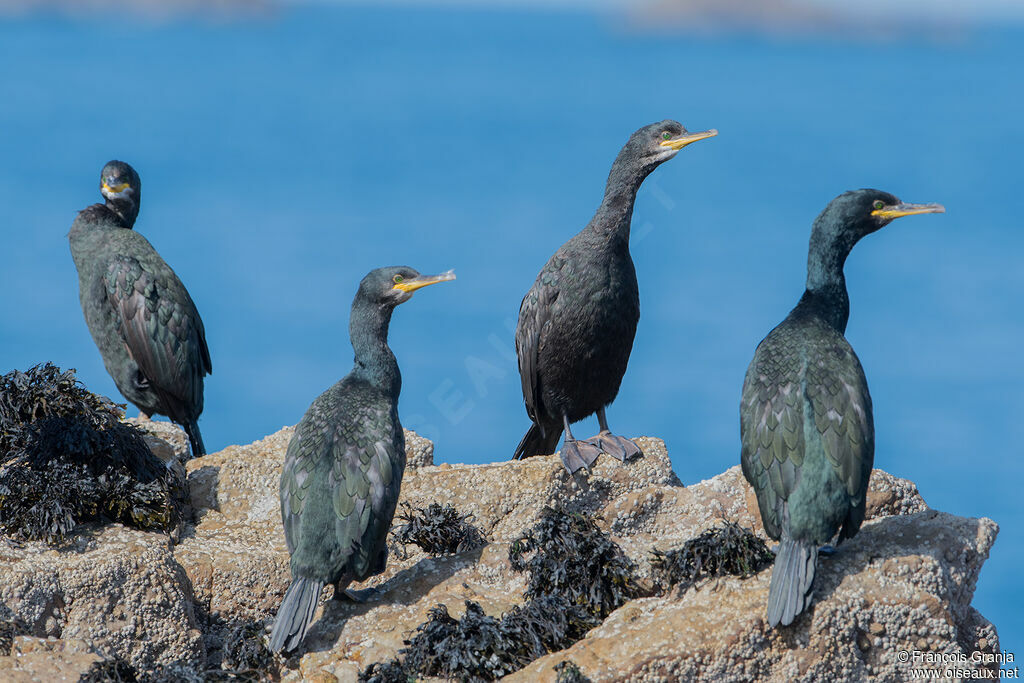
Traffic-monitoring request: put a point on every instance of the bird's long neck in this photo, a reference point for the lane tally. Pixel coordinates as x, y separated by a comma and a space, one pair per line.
614, 216
374, 362
126, 211
826, 293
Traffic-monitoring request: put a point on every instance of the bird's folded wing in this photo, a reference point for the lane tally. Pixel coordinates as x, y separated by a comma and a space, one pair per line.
772, 440
160, 327
838, 392
297, 476
535, 314
364, 481
779, 385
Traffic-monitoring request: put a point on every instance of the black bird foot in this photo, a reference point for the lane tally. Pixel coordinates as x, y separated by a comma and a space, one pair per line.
827, 550
356, 596
618, 447
578, 454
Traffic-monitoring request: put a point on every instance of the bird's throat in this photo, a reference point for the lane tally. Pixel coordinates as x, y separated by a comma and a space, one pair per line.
125, 210
374, 360
826, 293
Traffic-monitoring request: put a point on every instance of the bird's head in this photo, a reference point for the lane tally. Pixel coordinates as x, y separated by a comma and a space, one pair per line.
862, 212
395, 285
646, 149
121, 186
659, 142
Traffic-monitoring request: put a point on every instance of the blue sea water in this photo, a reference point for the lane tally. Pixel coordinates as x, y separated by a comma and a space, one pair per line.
284, 156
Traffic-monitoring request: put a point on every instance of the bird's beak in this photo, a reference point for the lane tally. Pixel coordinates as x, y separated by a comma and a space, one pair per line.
115, 189
901, 209
412, 284
687, 138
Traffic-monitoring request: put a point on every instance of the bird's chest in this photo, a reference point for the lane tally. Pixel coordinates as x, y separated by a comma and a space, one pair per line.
601, 299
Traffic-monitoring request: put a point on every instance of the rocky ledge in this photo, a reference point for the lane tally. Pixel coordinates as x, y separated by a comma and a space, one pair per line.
113, 594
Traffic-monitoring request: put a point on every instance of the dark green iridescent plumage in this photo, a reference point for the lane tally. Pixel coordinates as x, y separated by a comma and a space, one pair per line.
343, 468
807, 432
340, 483
140, 315
806, 422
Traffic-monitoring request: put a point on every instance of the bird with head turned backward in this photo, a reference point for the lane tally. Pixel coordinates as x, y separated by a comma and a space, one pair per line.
806, 423
140, 315
344, 464
577, 323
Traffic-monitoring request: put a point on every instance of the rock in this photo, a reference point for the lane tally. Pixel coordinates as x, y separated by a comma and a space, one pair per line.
419, 452
906, 581
118, 589
41, 660
166, 439
892, 587
505, 498
235, 553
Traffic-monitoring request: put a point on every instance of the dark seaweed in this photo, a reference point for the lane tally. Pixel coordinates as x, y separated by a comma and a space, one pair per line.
478, 647
110, 671
10, 628
565, 598
727, 549
246, 653
566, 554
392, 671
66, 458
438, 530
568, 672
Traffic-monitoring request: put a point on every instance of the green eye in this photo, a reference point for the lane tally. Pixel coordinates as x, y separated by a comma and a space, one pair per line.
398, 279
666, 135
879, 204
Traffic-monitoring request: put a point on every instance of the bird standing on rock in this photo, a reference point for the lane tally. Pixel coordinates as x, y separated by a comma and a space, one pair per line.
344, 464
577, 322
807, 430
139, 314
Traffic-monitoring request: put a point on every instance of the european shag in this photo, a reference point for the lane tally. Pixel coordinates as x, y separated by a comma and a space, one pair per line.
577, 322
344, 464
139, 314
808, 437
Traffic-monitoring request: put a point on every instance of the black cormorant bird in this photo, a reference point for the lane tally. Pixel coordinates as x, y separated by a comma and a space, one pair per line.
344, 464
808, 437
577, 322
140, 315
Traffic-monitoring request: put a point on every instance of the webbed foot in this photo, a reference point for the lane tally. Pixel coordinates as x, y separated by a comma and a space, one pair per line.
578, 454
618, 447
356, 596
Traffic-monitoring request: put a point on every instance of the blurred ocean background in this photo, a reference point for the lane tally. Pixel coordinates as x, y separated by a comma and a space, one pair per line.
287, 149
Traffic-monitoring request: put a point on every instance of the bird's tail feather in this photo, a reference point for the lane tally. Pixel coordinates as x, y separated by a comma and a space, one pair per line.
790, 589
538, 441
195, 439
295, 614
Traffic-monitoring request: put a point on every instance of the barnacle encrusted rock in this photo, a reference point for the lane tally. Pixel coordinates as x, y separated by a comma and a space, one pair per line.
39, 660
904, 582
118, 589
419, 452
